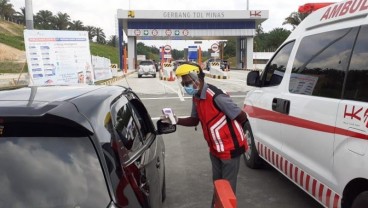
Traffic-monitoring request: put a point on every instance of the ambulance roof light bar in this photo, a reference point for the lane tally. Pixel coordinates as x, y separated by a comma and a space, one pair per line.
311, 7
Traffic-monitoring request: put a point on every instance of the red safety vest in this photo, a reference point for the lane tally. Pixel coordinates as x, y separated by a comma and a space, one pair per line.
224, 136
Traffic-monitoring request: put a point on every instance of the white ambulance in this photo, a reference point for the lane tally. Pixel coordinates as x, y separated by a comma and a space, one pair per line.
308, 112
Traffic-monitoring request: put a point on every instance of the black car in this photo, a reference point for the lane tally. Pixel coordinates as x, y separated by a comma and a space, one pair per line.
79, 146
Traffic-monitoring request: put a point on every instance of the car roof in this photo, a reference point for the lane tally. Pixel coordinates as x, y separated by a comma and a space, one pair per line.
78, 104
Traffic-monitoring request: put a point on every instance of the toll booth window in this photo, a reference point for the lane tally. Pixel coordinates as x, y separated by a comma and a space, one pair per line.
321, 62
127, 128
275, 69
357, 78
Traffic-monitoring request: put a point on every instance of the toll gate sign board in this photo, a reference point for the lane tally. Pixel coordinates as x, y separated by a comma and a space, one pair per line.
58, 57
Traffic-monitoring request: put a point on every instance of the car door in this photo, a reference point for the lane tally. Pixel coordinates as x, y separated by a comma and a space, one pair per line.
138, 152
152, 160
315, 90
259, 104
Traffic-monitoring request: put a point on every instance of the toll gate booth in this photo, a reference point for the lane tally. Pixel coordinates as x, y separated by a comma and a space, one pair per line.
190, 25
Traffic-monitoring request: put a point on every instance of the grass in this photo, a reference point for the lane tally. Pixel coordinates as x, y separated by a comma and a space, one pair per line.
12, 67
106, 51
13, 41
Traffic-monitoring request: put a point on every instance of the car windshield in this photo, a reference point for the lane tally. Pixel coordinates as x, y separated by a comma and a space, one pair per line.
146, 63
50, 172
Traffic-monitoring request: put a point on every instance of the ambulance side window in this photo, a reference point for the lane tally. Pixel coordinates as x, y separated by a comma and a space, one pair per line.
275, 69
321, 63
356, 86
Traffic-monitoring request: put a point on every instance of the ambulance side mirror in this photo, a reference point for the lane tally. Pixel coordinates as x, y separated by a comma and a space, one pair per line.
253, 78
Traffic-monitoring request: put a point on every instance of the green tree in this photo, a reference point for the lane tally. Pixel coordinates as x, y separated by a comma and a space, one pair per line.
230, 49
113, 41
275, 38
295, 18
6, 9
44, 19
91, 32
76, 25
62, 21
100, 35
20, 17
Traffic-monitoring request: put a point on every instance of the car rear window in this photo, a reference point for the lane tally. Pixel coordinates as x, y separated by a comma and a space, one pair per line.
50, 172
146, 63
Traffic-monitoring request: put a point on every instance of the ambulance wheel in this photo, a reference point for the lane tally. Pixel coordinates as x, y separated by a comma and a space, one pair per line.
361, 200
139, 76
251, 157
154, 76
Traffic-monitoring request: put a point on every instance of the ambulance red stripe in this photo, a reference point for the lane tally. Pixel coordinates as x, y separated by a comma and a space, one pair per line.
268, 115
315, 188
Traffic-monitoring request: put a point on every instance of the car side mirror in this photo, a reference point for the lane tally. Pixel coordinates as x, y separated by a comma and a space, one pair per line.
253, 78
165, 128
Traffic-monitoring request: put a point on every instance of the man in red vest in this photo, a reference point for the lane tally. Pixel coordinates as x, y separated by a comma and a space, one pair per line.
221, 120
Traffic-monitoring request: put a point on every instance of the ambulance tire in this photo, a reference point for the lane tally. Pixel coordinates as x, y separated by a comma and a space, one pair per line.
154, 76
251, 157
139, 75
361, 200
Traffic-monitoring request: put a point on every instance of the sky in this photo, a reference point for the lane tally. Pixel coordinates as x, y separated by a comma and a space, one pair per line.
102, 14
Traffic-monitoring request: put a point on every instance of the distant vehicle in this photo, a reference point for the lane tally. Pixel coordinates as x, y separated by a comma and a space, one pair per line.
80, 146
223, 63
178, 63
147, 68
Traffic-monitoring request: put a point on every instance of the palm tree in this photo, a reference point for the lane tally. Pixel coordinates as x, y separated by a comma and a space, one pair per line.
113, 41
295, 18
44, 19
6, 9
62, 21
100, 35
20, 17
91, 32
76, 25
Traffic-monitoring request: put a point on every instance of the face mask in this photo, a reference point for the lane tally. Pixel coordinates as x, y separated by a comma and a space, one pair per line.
190, 89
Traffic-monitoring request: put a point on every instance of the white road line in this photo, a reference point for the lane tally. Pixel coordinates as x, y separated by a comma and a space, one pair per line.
229, 81
167, 98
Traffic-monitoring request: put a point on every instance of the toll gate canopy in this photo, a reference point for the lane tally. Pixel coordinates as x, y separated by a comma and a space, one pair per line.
190, 25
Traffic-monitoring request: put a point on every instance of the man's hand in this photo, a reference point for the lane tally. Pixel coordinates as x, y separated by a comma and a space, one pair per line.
166, 119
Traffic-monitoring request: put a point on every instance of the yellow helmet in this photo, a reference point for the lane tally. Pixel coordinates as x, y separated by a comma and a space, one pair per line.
185, 69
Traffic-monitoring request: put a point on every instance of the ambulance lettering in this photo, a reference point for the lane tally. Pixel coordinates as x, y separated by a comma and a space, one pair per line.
342, 9
356, 114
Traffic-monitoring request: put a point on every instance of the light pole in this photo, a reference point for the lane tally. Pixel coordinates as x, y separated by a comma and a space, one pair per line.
29, 14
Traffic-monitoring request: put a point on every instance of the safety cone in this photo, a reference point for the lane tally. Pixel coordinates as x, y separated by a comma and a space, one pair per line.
171, 78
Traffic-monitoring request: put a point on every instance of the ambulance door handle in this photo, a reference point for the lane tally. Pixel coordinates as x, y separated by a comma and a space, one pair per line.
281, 105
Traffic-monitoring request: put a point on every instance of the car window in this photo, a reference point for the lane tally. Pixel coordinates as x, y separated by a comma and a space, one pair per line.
321, 63
145, 63
127, 128
357, 78
274, 71
142, 117
51, 172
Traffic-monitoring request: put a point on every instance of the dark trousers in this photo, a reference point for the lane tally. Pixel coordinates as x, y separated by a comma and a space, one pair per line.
225, 169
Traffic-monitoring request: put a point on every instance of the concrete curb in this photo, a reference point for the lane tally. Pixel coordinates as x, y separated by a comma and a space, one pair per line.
217, 76
115, 79
167, 78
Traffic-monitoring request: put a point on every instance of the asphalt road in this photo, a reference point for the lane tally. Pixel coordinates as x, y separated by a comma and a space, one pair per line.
188, 170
